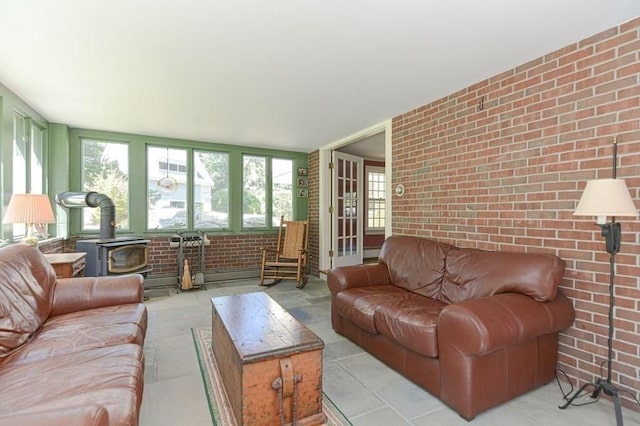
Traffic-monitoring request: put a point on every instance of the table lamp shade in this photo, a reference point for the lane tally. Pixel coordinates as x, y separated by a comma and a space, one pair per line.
606, 197
29, 209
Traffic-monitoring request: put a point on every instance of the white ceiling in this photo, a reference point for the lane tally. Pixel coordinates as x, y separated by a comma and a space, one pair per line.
286, 74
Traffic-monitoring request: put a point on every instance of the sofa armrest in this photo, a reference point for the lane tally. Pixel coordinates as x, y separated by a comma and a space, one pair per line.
78, 294
89, 415
479, 326
346, 277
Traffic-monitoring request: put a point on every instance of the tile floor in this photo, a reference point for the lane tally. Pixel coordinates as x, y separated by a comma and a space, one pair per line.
366, 391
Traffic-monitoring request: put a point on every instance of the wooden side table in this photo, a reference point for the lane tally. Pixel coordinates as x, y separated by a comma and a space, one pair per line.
68, 265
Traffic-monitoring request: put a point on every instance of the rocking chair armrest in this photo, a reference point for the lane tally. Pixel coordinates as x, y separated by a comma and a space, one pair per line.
271, 249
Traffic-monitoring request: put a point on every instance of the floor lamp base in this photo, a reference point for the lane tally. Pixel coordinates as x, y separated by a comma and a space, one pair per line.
601, 385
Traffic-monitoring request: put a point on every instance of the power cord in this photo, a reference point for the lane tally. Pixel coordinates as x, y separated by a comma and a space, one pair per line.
565, 395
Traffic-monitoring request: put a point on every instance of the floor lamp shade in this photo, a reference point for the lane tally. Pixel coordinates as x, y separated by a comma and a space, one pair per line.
606, 197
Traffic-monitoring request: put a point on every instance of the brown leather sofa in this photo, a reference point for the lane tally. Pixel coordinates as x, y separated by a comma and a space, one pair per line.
474, 328
70, 349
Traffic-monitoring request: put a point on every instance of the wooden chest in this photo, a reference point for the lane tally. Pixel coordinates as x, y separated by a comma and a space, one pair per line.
270, 364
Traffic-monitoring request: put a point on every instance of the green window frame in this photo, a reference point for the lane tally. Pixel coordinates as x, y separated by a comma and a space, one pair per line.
267, 191
204, 205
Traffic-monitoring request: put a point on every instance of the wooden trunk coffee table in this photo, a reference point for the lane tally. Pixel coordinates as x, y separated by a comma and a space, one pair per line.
270, 363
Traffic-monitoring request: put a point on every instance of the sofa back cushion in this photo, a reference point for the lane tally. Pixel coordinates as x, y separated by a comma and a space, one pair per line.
474, 273
415, 264
27, 282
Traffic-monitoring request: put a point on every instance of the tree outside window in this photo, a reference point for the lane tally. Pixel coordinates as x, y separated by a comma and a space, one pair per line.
105, 167
256, 187
281, 189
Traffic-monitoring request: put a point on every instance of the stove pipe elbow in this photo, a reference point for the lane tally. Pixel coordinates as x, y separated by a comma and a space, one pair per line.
92, 199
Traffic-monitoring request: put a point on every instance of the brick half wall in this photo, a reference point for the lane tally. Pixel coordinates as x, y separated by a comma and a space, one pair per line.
226, 253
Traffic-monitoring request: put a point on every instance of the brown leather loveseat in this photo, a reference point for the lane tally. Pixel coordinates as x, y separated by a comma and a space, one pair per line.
475, 328
70, 349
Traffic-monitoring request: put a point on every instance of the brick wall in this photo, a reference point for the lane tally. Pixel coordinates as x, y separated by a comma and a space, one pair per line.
227, 253
507, 175
314, 212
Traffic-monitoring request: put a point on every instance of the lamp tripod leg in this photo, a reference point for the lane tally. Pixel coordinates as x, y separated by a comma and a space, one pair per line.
610, 389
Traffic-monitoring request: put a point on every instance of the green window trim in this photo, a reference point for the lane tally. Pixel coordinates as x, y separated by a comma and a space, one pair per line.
138, 192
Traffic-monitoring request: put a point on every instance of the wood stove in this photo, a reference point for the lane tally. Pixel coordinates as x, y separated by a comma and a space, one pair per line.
107, 255
126, 255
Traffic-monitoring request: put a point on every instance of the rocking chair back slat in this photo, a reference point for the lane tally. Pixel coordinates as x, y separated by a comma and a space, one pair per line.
294, 239
289, 259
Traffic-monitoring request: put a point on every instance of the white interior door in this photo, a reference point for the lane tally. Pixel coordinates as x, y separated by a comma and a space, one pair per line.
346, 218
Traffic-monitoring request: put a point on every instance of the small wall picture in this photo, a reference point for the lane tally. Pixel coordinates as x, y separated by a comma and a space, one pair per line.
302, 171
303, 193
302, 181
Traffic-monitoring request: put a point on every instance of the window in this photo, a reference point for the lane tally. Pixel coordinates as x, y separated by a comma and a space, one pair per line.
36, 159
172, 166
166, 188
169, 184
281, 189
254, 190
375, 199
211, 190
262, 197
181, 185
105, 170
27, 163
20, 154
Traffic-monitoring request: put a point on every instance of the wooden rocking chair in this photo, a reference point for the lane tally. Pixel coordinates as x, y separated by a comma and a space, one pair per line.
289, 259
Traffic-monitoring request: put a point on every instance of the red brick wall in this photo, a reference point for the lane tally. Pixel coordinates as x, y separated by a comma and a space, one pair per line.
314, 212
508, 177
227, 253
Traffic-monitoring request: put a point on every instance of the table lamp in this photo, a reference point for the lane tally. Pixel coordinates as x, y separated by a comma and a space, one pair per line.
29, 209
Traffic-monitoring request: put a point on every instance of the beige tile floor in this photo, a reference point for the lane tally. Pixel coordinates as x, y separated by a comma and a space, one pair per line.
367, 391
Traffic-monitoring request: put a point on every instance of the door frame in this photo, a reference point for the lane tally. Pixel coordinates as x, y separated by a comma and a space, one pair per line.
324, 176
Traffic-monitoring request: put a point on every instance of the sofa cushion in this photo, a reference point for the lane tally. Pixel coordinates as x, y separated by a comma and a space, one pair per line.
415, 264
110, 377
474, 273
82, 330
358, 305
86, 415
27, 282
412, 323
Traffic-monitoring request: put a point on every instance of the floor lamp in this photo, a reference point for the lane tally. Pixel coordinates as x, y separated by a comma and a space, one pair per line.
602, 198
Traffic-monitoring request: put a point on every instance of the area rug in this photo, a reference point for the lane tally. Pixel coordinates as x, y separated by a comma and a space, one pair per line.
219, 407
